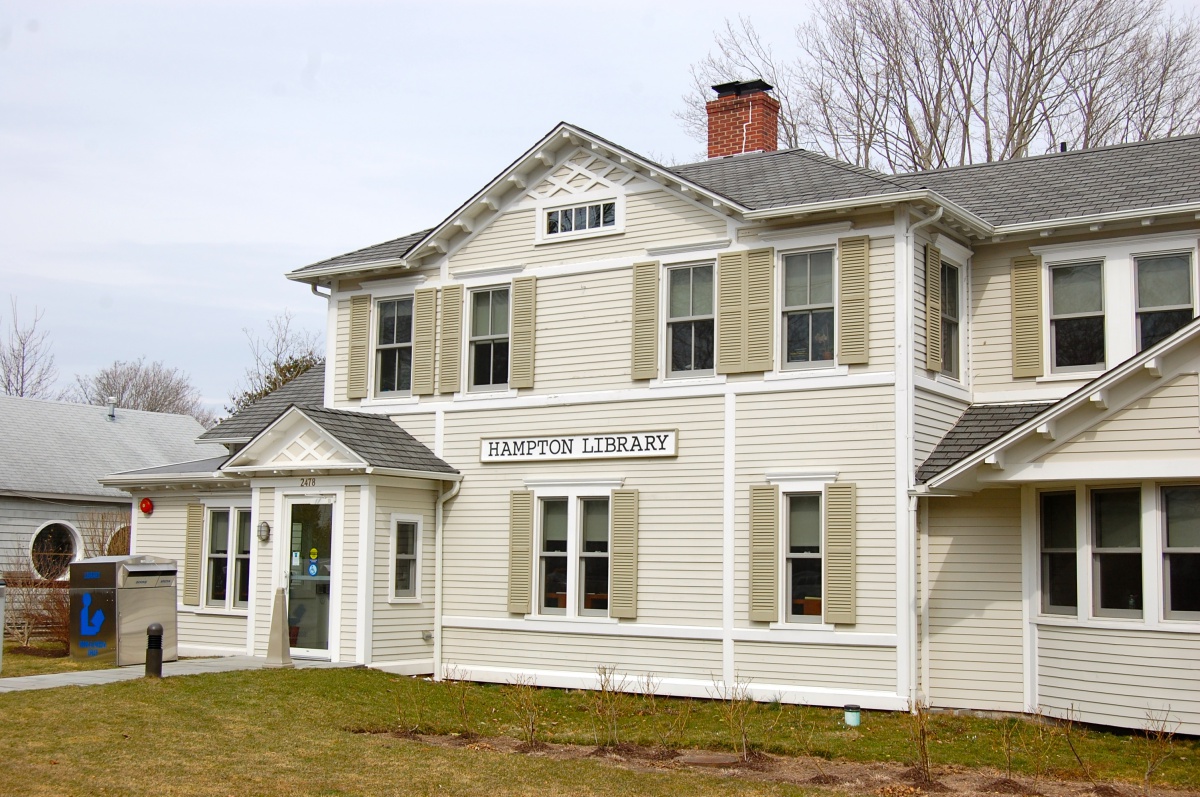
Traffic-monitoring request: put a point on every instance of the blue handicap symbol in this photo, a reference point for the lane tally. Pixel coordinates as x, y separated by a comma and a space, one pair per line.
90, 627
312, 568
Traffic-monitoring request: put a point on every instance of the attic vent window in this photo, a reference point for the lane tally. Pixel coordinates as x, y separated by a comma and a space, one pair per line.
582, 218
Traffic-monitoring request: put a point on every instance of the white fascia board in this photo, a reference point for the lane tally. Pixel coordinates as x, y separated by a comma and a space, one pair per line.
166, 478
415, 474
980, 226
311, 274
99, 498
1097, 218
1131, 366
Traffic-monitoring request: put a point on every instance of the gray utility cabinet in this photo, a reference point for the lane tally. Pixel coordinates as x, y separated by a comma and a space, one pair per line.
114, 599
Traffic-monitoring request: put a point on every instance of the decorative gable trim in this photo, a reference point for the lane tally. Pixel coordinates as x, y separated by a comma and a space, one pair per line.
294, 441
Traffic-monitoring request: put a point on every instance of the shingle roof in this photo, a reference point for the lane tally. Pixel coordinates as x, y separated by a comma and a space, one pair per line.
978, 426
193, 466
786, 177
61, 448
388, 250
1085, 182
378, 440
306, 390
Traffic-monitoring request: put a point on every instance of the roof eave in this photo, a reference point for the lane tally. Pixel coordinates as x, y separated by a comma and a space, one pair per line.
313, 275
1137, 214
166, 479
976, 224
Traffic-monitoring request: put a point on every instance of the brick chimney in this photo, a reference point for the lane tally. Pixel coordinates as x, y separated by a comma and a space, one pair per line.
743, 118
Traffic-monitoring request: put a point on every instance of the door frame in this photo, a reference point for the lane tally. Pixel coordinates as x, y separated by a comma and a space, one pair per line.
286, 500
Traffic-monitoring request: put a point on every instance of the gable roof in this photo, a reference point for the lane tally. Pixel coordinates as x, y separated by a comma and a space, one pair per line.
375, 439
978, 426
59, 448
306, 390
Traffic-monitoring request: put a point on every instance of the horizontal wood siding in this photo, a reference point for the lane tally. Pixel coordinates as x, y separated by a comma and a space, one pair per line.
825, 666
584, 331
212, 631
1165, 423
263, 597
654, 218
20, 518
919, 329
348, 611
850, 432
1114, 677
581, 653
933, 415
974, 601
396, 627
341, 356
679, 538
881, 320
423, 427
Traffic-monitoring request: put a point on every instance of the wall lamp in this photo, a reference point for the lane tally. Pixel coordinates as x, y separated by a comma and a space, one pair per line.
264, 531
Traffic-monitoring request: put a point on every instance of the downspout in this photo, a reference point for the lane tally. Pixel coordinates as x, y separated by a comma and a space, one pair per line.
439, 531
906, 388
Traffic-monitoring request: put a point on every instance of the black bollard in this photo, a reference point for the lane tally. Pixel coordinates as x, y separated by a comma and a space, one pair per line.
154, 635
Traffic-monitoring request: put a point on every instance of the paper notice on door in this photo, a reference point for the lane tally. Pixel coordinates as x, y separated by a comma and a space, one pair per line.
295, 558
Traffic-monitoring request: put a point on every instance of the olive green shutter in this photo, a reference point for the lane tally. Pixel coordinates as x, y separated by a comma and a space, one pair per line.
424, 333
450, 345
764, 552
645, 320
1027, 315
623, 585
520, 551
839, 552
193, 554
933, 308
360, 347
731, 312
853, 288
524, 314
760, 310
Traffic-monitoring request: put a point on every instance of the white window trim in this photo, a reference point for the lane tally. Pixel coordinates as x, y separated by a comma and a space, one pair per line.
963, 379
793, 483
573, 489
468, 391
1119, 276
78, 540
419, 547
545, 206
233, 507
664, 315
783, 369
375, 393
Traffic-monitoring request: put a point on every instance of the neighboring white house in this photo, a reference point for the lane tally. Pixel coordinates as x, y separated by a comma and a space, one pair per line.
855, 437
52, 456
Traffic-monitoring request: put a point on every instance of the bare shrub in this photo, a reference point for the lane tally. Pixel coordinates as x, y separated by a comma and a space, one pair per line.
34, 607
647, 686
1036, 741
604, 704
521, 693
410, 708
104, 532
676, 729
735, 707
1009, 729
1158, 744
1070, 731
457, 683
918, 734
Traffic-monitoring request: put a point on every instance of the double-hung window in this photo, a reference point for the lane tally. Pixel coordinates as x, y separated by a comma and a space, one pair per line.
1181, 552
808, 325
804, 577
393, 346
228, 554
406, 557
1059, 579
951, 292
573, 556
1117, 552
1077, 317
690, 324
1164, 296
489, 338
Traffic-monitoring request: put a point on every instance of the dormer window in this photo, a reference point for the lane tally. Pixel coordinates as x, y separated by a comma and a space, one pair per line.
582, 218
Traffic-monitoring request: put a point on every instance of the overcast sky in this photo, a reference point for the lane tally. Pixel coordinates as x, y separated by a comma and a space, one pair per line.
162, 164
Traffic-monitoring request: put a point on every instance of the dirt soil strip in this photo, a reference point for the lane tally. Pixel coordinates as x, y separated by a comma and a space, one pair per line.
884, 779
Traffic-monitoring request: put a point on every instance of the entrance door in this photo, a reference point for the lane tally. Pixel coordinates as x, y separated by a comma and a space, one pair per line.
311, 524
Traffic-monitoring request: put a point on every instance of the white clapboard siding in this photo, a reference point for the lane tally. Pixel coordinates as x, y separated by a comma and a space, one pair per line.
934, 414
262, 597
349, 571
219, 633
680, 512
470, 649
584, 331
396, 627
881, 320
850, 432
421, 426
919, 314
651, 219
826, 666
973, 547
1166, 421
1114, 677
341, 356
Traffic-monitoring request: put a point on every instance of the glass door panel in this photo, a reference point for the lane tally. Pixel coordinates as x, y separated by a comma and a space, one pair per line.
308, 592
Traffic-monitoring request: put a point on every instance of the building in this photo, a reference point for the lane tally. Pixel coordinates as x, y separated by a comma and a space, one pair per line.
54, 454
847, 436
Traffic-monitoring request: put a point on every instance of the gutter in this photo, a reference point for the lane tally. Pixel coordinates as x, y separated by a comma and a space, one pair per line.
1142, 214
439, 534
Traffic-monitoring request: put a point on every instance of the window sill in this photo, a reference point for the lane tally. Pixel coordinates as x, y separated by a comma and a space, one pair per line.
398, 399
480, 395
214, 612
1120, 624
405, 601
688, 381
806, 372
562, 618
1070, 376
562, 238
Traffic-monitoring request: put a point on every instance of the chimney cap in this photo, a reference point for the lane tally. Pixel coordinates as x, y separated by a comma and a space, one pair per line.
738, 88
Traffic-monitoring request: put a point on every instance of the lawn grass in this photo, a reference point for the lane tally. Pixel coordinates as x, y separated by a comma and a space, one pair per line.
272, 732
17, 664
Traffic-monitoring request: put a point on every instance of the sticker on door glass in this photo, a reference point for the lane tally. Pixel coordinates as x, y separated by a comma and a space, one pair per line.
295, 558
312, 554
312, 568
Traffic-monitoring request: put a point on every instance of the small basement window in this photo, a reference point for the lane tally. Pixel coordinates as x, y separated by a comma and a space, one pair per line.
582, 218
53, 551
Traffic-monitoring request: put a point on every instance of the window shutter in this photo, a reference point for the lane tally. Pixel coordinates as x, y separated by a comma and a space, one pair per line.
521, 349
760, 310
520, 551
764, 552
193, 554
840, 525
623, 580
424, 333
645, 320
933, 308
360, 347
450, 345
1027, 315
853, 290
731, 312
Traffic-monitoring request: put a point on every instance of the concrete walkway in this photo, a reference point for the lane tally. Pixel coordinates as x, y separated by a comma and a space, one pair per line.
170, 668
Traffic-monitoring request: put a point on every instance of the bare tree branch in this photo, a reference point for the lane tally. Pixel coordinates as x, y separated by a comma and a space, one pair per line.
137, 385
284, 354
26, 364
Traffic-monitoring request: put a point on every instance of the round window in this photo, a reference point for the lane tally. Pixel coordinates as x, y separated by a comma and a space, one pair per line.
53, 550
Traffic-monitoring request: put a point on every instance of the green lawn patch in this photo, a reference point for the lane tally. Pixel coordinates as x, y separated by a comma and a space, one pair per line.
42, 658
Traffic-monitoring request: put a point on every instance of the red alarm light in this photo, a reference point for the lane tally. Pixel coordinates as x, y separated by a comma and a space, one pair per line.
147, 506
